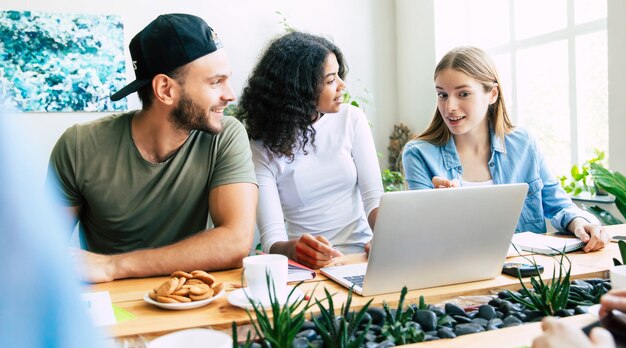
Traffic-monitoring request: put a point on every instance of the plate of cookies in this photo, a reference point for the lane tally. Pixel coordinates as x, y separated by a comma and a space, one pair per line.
185, 291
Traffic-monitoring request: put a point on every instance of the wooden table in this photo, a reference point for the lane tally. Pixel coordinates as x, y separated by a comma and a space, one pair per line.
151, 321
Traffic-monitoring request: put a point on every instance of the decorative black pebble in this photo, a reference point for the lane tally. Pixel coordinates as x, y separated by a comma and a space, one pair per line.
445, 332
366, 318
453, 310
581, 310
519, 315
461, 319
583, 284
427, 319
495, 302
300, 342
507, 307
504, 295
308, 334
480, 321
496, 322
464, 329
377, 314
437, 310
564, 313
376, 329
308, 325
533, 315
486, 312
511, 320
429, 338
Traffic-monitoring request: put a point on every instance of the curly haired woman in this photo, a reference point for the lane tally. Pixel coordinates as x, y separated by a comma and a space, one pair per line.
314, 157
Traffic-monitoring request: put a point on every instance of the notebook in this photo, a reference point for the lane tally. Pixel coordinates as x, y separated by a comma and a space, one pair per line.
542, 244
297, 272
428, 238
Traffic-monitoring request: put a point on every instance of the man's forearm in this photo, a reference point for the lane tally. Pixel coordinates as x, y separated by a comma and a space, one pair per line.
210, 250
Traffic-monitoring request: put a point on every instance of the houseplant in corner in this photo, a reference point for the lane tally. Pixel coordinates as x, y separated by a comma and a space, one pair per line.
581, 179
612, 182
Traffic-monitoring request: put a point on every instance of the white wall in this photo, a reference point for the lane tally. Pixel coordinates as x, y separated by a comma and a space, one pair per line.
415, 28
617, 88
363, 29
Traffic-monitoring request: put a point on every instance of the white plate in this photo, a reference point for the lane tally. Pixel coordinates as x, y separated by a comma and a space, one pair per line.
181, 306
239, 299
193, 338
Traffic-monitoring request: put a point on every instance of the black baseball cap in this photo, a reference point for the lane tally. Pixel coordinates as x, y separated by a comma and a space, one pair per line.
168, 42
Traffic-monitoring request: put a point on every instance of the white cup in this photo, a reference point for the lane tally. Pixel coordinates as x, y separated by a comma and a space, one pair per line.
255, 269
618, 277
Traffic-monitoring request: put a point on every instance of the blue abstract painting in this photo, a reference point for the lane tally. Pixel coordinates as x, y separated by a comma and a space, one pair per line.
61, 62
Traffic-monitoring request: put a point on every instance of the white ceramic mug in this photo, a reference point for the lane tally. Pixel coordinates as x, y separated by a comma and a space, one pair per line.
255, 269
618, 277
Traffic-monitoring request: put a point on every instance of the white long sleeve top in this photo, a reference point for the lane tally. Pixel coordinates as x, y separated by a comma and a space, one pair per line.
330, 191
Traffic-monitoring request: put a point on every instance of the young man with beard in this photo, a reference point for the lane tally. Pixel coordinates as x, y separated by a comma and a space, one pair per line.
144, 184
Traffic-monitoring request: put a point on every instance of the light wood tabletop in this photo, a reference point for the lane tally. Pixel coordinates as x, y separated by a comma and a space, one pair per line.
149, 320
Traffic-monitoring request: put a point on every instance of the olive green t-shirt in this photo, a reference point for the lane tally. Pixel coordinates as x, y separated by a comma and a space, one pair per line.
128, 203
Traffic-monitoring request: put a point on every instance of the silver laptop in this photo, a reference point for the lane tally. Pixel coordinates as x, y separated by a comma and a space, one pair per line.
428, 238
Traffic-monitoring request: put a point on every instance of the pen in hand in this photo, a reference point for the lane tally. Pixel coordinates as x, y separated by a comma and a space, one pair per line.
316, 251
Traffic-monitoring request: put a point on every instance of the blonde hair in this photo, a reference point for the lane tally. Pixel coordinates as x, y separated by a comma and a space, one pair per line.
476, 64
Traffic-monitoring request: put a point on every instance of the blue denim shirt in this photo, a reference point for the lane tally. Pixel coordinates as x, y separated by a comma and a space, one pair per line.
518, 161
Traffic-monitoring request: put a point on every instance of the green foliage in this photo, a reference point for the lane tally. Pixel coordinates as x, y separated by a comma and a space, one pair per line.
246, 344
622, 250
288, 28
280, 330
613, 183
340, 332
422, 304
357, 101
580, 296
580, 180
392, 181
547, 297
603, 215
399, 328
231, 110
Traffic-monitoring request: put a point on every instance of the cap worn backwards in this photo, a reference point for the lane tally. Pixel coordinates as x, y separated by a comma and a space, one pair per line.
168, 42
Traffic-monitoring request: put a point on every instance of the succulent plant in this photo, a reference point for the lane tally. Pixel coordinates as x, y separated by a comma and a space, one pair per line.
342, 331
398, 326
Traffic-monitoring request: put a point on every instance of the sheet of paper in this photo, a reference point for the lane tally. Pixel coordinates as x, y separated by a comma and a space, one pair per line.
99, 308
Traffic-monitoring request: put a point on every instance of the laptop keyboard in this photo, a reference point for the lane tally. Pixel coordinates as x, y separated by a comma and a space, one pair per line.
357, 280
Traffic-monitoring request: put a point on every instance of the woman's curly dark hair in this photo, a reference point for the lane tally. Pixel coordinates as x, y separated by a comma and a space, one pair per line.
279, 103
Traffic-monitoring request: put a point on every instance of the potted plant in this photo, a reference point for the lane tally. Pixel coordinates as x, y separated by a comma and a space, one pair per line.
581, 179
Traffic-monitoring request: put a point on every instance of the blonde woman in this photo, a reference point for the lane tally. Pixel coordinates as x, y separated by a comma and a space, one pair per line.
471, 141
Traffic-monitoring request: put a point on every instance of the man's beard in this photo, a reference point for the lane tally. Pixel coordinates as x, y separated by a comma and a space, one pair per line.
188, 116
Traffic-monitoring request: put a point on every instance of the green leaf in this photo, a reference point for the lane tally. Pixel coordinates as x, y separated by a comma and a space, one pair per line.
612, 182
603, 215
